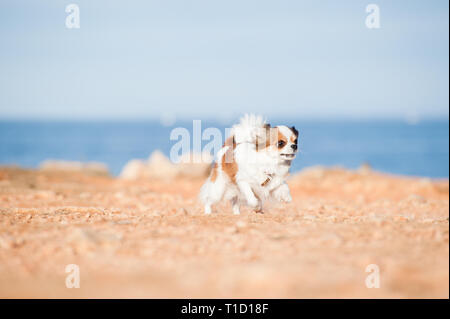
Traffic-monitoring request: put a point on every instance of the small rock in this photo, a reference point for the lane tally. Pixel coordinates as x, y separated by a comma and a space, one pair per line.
417, 198
332, 218
6, 243
232, 230
134, 169
241, 224
278, 237
85, 195
123, 222
400, 218
365, 169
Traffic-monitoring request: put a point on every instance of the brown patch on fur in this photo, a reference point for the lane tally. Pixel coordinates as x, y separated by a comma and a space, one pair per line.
229, 166
214, 172
230, 142
281, 137
228, 155
268, 138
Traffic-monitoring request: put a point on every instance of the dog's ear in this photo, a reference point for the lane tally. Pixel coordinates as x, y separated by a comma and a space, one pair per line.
294, 130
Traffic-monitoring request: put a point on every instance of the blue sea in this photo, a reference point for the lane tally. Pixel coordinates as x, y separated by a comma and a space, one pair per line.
390, 146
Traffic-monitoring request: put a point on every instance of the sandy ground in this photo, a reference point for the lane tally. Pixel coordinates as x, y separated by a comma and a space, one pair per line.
149, 238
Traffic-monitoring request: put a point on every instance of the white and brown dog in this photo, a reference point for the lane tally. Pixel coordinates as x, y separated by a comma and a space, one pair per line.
252, 165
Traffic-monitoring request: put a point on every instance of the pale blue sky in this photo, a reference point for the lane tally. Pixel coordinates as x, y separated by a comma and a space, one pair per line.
203, 58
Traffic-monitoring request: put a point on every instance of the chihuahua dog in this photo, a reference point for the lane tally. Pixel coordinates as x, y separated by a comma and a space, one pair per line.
252, 165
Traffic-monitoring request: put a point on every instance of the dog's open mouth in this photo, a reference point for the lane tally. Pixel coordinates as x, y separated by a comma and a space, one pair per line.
288, 155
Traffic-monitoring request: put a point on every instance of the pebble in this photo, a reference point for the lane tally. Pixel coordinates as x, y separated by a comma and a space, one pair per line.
232, 230
123, 222
241, 224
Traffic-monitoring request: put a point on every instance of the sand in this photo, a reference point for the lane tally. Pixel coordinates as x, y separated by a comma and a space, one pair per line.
149, 238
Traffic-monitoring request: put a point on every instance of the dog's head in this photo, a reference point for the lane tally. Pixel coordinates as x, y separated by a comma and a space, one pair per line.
280, 142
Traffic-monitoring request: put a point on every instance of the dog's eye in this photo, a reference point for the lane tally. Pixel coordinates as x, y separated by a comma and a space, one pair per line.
281, 143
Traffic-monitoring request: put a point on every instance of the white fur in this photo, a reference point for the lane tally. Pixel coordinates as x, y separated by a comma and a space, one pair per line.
254, 168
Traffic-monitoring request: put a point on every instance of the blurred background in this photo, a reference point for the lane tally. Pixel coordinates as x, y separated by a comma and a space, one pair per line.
113, 89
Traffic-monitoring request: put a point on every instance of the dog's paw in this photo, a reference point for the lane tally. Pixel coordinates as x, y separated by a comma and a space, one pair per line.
283, 197
258, 211
282, 194
286, 198
253, 202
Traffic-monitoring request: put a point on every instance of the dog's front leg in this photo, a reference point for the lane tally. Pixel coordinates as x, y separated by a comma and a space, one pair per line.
282, 193
246, 189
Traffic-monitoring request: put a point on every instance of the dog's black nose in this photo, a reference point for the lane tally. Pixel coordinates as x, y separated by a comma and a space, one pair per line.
294, 147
